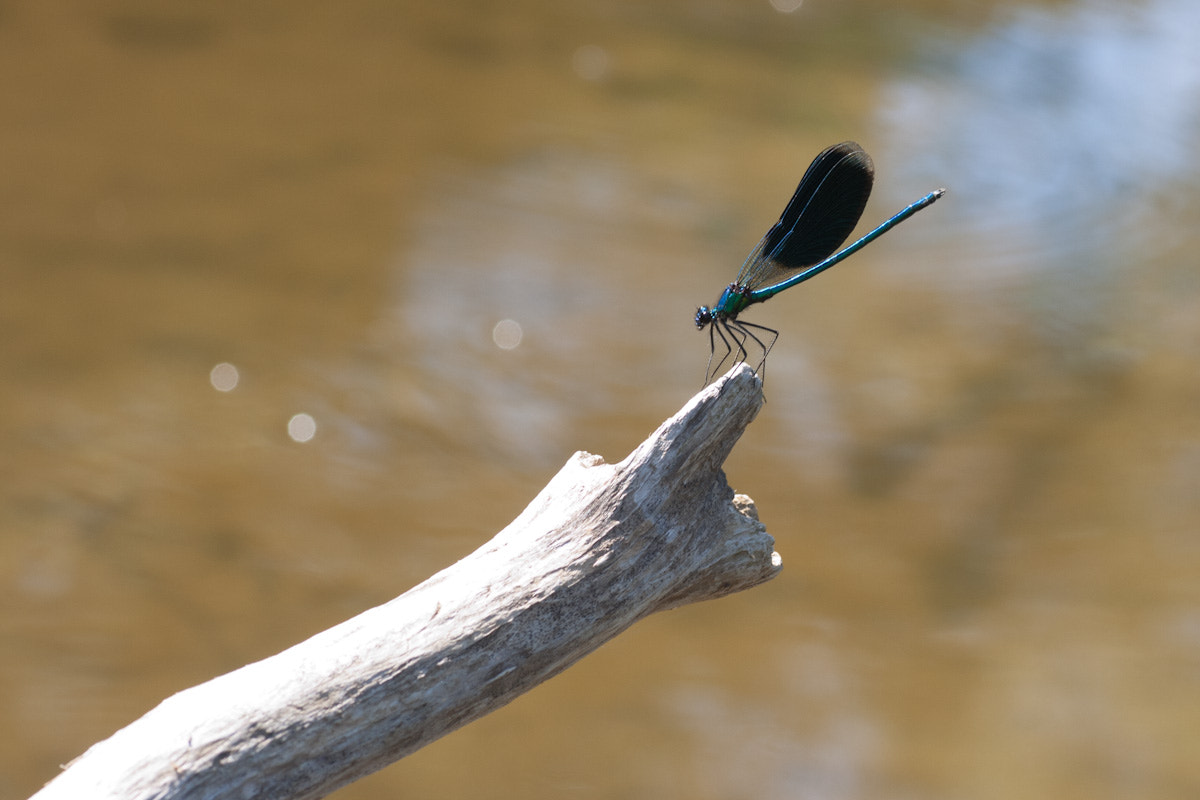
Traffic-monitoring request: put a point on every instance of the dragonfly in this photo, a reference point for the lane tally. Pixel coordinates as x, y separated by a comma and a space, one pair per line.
822, 213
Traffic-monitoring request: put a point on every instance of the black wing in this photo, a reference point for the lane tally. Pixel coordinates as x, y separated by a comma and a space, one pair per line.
824, 210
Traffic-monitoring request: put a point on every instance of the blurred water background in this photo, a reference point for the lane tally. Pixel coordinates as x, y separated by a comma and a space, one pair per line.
301, 302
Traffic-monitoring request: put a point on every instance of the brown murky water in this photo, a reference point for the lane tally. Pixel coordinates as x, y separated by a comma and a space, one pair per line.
980, 456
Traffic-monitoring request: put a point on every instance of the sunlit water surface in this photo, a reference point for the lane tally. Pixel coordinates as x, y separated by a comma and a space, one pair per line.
300, 305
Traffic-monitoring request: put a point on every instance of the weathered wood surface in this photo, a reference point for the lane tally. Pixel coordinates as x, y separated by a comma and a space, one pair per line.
599, 548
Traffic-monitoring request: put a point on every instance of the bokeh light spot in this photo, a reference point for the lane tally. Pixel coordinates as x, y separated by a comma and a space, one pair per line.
302, 427
507, 334
224, 377
590, 62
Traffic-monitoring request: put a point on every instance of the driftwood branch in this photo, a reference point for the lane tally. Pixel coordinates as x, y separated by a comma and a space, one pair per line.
599, 548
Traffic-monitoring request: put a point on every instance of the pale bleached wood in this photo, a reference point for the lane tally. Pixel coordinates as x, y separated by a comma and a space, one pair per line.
599, 548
